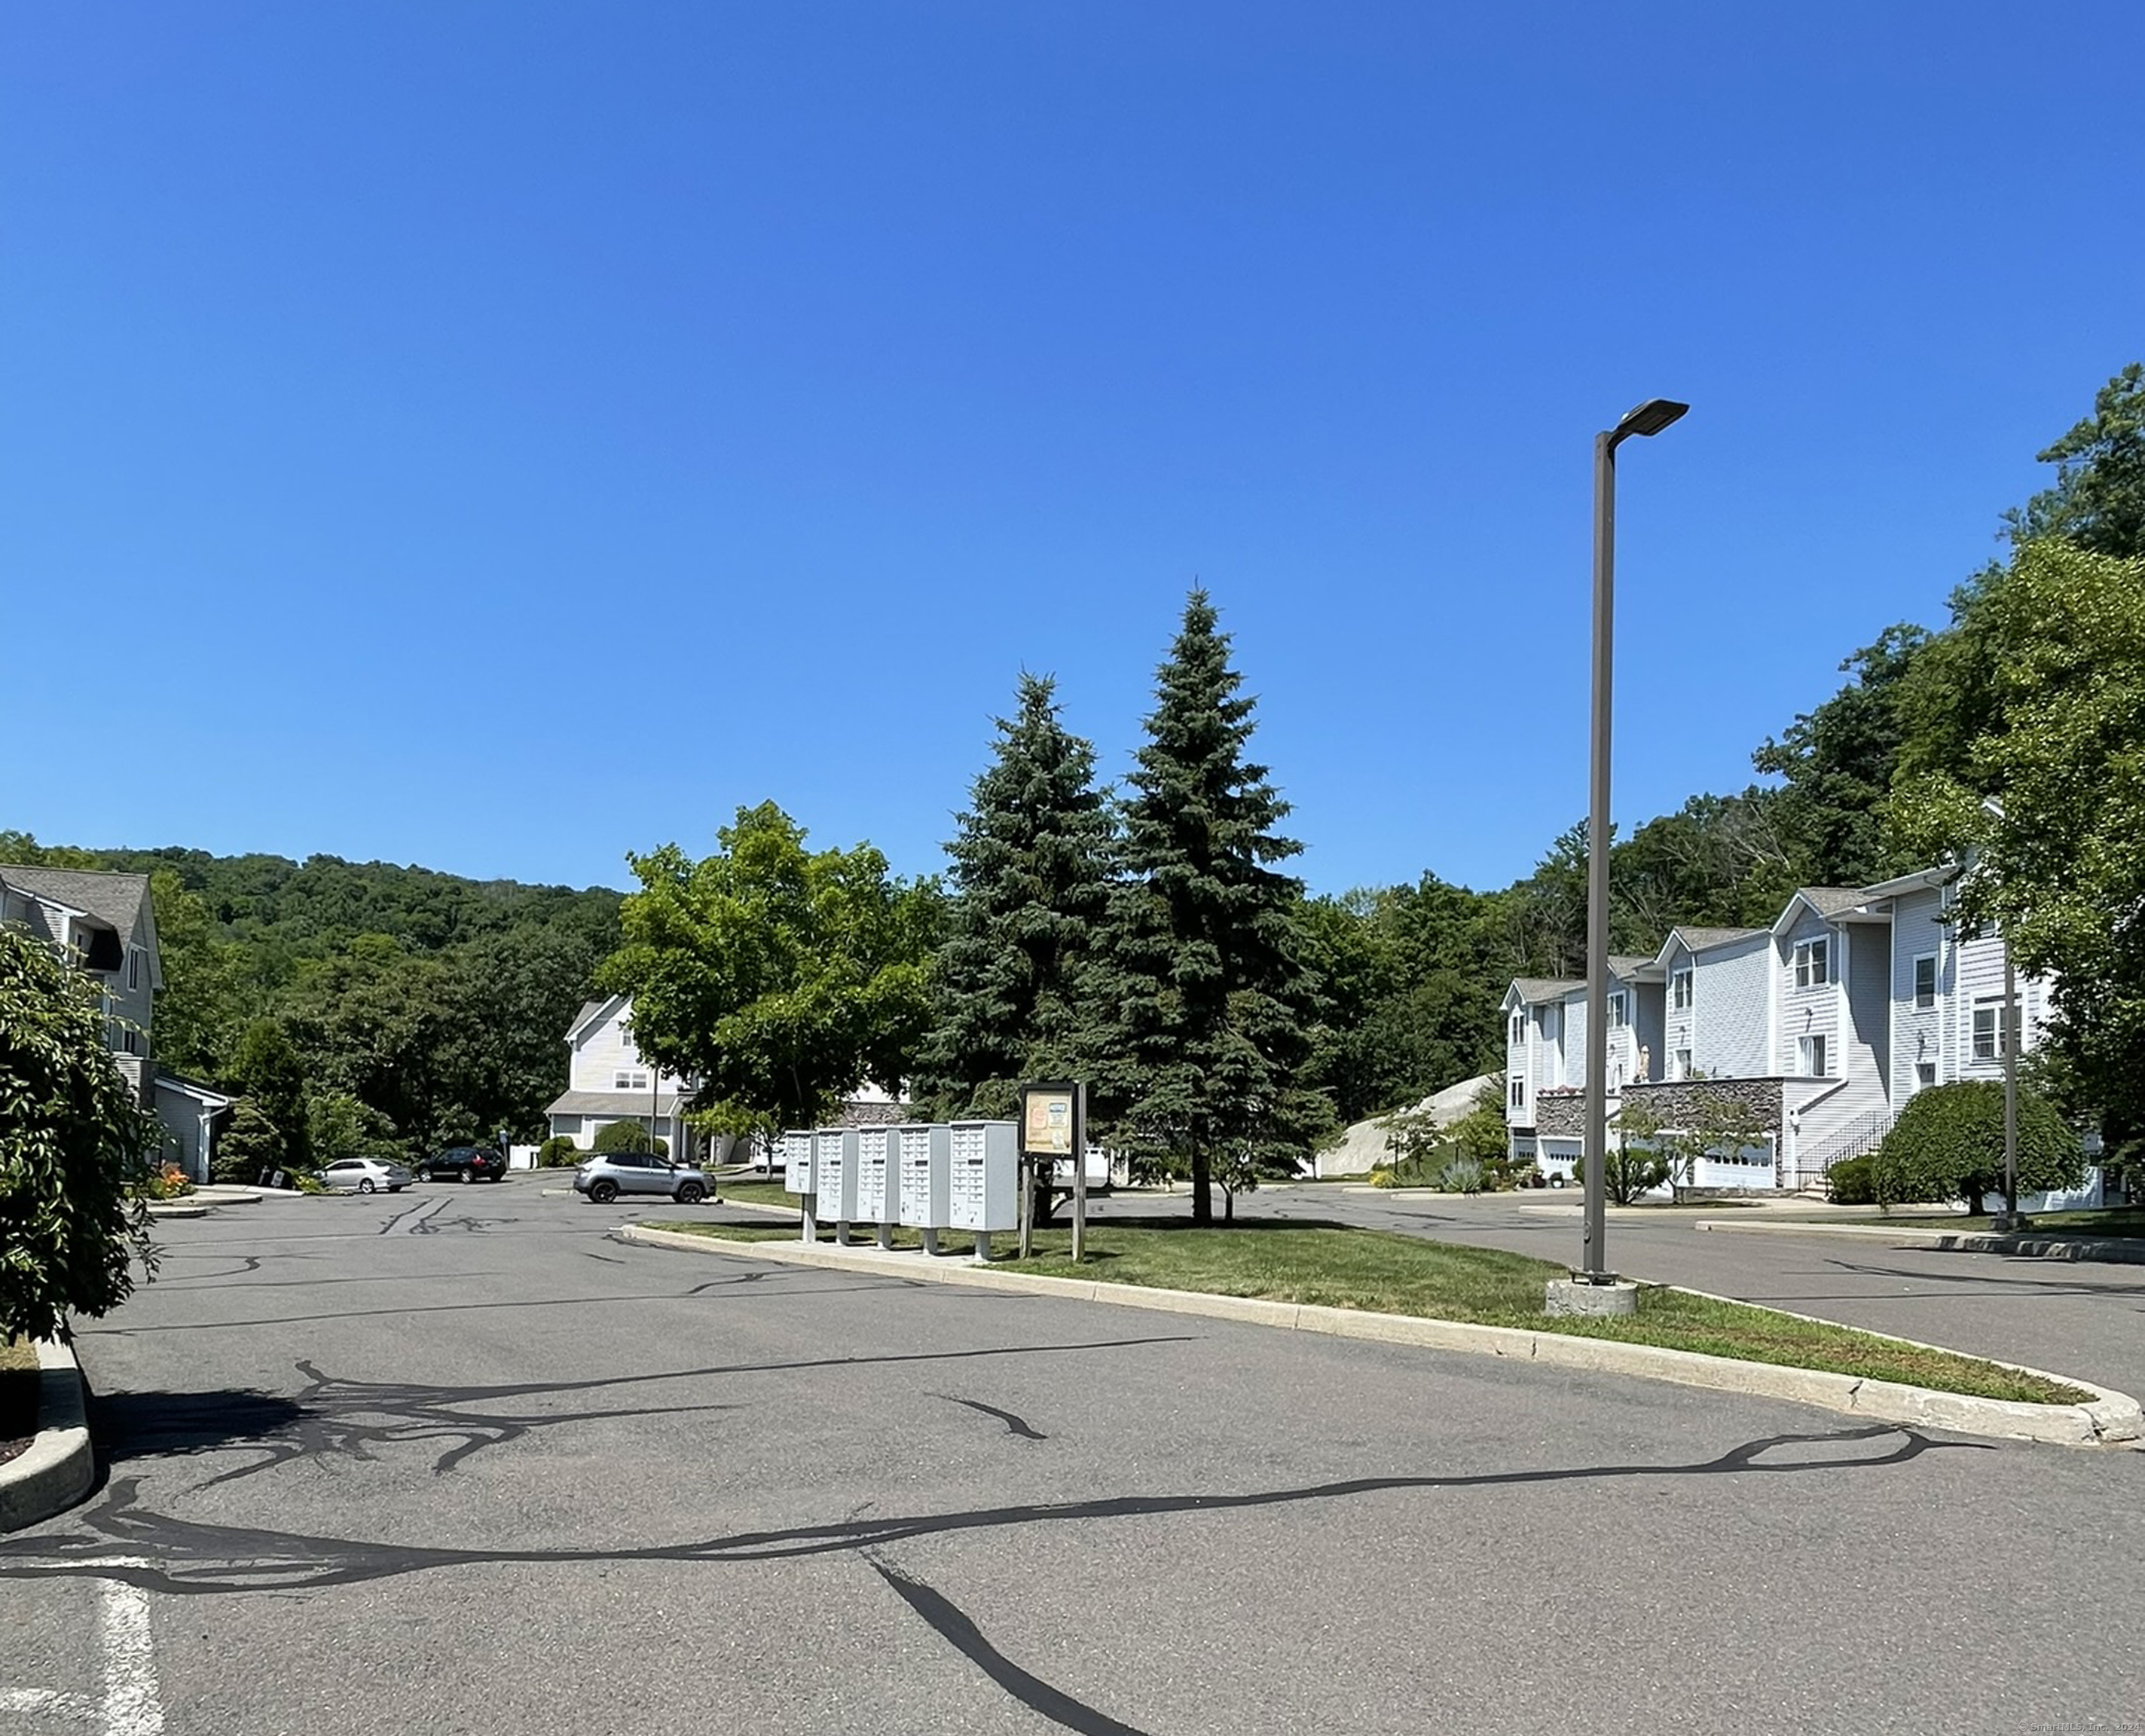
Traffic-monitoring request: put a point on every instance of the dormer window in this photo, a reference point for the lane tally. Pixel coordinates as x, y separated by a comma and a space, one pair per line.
1516, 1032
1814, 961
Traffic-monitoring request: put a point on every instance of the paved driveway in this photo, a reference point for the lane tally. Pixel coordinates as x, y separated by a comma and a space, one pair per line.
453, 1462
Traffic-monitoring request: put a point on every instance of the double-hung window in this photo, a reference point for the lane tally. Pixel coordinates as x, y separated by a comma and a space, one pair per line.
1679, 988
1517, 1095
629, 1079
1925, 982
1987, 1045
1810, 1055
1617, 1018
1517, 1034
1814, 961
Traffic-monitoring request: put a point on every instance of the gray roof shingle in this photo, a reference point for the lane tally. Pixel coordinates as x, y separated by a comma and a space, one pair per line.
1699, 940
113, 898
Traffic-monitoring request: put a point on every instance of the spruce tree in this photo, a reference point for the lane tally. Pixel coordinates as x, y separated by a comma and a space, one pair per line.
1209, 996
1030, 873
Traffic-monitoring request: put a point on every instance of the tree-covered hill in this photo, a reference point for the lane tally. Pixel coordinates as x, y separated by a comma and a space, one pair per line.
412, 1006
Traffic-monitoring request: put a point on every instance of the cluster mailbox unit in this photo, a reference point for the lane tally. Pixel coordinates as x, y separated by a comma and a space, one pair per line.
925, 1156
834, 1177
878, 1182
965, 1175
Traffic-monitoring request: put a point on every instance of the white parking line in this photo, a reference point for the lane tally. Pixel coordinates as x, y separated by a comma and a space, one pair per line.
128, 1705
131, 1706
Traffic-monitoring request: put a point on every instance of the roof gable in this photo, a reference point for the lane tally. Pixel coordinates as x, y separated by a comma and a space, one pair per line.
594, 1013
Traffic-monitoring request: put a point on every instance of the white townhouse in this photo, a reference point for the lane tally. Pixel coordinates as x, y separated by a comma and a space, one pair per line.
1545, 1048
105, 926
608, 1081
1821, 1026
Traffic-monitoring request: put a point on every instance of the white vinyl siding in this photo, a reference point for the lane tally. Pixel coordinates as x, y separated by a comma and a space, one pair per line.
604, 1051
1733, 1009
1921, 951
1809, 1000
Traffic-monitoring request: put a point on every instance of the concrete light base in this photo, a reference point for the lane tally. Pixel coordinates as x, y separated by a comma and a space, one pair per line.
1614, 1300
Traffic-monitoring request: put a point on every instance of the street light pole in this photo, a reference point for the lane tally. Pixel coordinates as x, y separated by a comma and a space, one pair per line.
1648, 419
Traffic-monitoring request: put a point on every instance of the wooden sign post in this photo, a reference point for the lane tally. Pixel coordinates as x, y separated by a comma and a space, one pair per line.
1054, 1124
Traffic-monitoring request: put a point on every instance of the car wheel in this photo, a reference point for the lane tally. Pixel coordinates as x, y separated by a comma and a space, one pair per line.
691, 1194
468, 1176
395, 1187
365, 1185
1556, 1180
603, 1192
424, 1175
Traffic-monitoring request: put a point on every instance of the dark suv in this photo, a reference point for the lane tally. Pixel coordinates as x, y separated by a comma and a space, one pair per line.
472, 1163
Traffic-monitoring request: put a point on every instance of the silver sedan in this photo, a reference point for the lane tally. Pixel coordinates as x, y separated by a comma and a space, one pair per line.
366, 1174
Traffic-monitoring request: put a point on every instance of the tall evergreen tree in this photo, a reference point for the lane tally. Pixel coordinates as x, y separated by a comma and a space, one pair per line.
1205, 977
1012, 997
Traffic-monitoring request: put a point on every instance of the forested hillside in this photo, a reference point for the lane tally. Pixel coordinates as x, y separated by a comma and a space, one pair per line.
372, 1004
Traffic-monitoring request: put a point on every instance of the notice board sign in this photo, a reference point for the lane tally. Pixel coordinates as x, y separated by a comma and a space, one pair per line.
1049, 1120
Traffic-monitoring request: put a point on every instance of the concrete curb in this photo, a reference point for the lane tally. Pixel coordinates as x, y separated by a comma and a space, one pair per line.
2099, 1251
59, 1467
176, 1208
2110, 1419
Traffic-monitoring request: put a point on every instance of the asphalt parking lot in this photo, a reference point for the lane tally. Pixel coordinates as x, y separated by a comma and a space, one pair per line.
454, 1460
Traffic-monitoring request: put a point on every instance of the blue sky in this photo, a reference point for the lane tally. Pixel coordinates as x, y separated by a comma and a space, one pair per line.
529, 430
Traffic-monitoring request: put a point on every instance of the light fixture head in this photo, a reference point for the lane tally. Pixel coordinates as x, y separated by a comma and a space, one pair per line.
1651, 416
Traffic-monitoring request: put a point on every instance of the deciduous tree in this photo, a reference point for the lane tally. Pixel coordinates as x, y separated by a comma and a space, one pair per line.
776, 977
71, 1138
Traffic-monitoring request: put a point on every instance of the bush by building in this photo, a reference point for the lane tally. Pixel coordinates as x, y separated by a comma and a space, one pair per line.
1947, 1144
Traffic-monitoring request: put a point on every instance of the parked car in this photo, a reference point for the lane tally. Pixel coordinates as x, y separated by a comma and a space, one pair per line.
604, 1179
365, 1175
472, 1163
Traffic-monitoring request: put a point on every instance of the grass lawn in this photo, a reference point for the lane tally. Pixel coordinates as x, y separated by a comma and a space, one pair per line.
757, 1193
2115, 1220
18, 1396
1374, 1269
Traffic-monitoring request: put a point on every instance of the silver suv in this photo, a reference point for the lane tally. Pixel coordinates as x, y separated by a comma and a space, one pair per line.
604, 1179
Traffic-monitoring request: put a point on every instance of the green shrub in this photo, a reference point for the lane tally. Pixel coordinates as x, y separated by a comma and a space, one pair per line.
558, 1153
1459, 1175
1947, 1144
623, 1137
249, 1146
1630, 1172
1853, 1180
